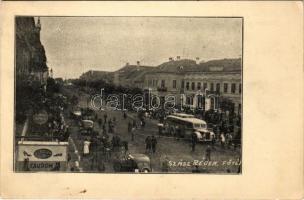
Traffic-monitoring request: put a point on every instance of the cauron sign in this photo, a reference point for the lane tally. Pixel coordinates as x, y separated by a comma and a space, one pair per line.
43, 153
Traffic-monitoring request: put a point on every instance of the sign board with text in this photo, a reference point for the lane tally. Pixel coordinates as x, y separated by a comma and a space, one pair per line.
42, 156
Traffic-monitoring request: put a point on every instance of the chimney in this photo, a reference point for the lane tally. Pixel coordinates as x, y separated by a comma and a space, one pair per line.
177, 57
197, 60
138, 63
170, 59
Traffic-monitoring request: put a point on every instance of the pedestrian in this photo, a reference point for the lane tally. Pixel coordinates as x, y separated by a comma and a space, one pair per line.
148, 144
223, 140
134, 124
110, 126
153, 143
164, 164
196, 169
99, 122
143, 123
213, 139
193, 141
104, 129
86, 147
130, 130
105, 116
124, 115
125, 144
208, 153
114, 120
229, 140
93, 148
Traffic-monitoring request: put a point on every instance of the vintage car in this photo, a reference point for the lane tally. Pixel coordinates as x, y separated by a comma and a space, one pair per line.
76, 113
132, 163
86, 124
88, 114
204, 135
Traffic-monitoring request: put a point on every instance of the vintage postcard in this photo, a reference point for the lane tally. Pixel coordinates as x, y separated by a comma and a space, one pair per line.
173, 104
157, 98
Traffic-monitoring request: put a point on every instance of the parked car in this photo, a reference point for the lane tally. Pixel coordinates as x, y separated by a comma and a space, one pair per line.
76, 113
133, 163
86, 124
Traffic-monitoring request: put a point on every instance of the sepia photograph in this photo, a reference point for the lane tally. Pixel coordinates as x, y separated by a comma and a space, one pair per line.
128, 94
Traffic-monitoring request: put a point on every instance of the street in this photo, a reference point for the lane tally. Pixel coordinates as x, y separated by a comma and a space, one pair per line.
177, 151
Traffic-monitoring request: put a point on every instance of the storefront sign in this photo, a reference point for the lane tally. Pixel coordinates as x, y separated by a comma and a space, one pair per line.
42, 156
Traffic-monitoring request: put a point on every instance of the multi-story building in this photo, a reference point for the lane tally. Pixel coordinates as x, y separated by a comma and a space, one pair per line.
190, 82
30, 53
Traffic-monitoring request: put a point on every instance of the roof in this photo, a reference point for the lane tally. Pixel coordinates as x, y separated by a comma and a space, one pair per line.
139, 157
191, 120
176, 65
188, 65
183, 115
52, 143
225, 64
133, 71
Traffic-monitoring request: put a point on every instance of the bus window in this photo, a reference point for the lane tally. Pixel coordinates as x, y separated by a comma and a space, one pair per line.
199, 125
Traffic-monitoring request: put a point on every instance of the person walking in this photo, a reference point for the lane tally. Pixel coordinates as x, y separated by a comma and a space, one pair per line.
130, 130
134, 124
208, 153
148, 144
100, 122
86, 147
164, 163
105, 116
223, 140
104, 129
153, 143
110, 126
213, 140
193, 141
114, 120
229, 140
143, 123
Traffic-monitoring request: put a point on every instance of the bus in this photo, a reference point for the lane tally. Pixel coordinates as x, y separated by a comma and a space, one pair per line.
183, 126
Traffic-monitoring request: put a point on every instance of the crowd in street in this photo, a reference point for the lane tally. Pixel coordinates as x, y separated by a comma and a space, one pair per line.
104, 145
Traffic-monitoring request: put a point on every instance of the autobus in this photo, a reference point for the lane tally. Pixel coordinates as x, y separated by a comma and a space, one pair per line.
183, 126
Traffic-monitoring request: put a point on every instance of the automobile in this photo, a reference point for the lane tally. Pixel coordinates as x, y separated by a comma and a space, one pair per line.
88, 114
132, 163
76, 113
87, 124
204, 135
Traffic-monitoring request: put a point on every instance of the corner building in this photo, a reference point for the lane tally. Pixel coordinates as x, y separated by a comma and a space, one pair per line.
190, 81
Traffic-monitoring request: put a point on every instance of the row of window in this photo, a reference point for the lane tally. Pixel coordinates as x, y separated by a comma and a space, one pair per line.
154, 83
213, 87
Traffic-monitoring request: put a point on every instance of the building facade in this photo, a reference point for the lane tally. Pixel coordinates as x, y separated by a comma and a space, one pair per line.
30, 53
191, 82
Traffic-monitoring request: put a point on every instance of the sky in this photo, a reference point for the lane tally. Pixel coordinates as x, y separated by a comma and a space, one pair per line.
75, 45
